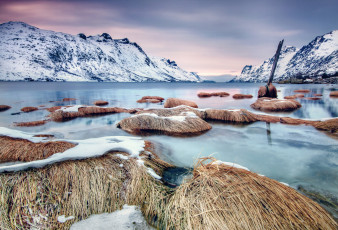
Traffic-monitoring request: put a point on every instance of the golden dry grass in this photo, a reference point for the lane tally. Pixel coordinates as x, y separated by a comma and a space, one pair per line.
216, 94
290, 97
86, 111
302, 91
294, 96
276, 105
330, 125
29, 109
153, 97
237, 115
68, 99
150, 100
167, 112
79, 188
217, 197
31, 123
4, 107
313, 98
204, 94
54, 108
173, 102
166, 125
223, 197
14, 149
334, 94
100, 102
241, 96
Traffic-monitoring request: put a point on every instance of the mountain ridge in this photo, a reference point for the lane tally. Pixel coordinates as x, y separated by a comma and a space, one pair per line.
30, 53
316, 59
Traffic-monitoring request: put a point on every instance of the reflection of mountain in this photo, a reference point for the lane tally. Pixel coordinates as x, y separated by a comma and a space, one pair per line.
29, 53
318, 58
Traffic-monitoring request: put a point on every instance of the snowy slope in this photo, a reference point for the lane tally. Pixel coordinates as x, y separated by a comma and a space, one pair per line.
262, 72
31, 53
317, 58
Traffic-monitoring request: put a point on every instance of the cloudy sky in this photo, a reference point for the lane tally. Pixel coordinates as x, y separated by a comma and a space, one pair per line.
210, 37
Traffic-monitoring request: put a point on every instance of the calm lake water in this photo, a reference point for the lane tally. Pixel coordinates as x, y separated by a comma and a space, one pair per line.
297, 155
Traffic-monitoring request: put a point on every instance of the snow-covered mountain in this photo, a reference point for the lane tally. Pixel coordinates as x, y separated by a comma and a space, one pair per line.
30, 53
318, 58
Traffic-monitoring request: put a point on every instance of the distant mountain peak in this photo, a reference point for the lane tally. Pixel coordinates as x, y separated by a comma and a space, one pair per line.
30, 53
318, 58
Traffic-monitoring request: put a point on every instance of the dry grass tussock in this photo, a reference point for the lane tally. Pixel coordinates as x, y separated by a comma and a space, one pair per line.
330, 125
4, 107
151, 99
31, 123
80, 188
236, 115
302, 91
223, 197
217, 197
313, 98
14, 149
299, 95
241, 96
216, 94
59, 115
173, 102
29, 109
334, 94
167, 112
276, 105
167, 125
68, 99
100, 102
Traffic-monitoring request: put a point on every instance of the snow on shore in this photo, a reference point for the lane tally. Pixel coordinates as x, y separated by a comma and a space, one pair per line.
130, 217
87, 148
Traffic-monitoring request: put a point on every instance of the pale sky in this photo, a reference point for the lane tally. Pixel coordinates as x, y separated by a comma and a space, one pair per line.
214, 37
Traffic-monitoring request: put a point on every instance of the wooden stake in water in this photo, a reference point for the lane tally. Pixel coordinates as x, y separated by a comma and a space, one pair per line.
275, 61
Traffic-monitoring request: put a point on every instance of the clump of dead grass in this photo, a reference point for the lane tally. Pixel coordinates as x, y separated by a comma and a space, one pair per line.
31, 123
222, 197
15, 149
302, 91
275, 105
173, 102
165, 124
86, 111
334, 94
330, 125
236, 115
100, 102
36, 197
29, 109
68, 99
4, 107
216, 94
313, 98
150, 99
241, 96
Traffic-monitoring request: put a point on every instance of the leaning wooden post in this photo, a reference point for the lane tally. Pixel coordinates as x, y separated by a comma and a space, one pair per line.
275, 61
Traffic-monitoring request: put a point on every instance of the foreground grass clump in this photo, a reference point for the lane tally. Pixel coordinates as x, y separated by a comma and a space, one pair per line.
16, 149
217, 197
223, 197
35, 198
